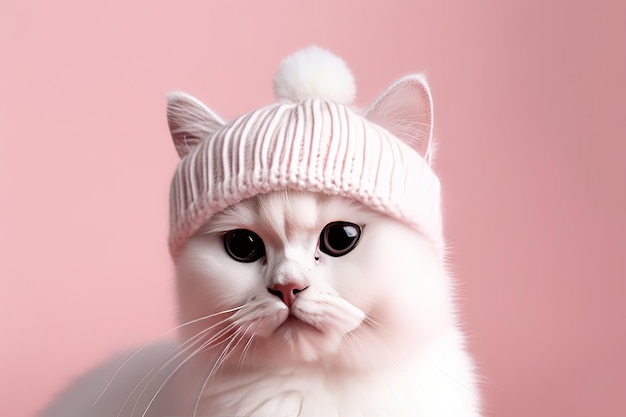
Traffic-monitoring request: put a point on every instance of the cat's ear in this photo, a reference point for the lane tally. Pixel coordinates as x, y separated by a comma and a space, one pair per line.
189, 121
406, 110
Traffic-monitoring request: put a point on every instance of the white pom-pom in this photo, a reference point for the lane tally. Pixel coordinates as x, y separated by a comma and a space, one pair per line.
314, 72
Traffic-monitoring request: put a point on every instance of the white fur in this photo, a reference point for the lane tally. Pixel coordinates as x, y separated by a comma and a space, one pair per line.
314, 72
376, 335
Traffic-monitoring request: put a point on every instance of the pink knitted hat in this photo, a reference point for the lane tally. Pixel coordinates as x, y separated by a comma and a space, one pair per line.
312, 140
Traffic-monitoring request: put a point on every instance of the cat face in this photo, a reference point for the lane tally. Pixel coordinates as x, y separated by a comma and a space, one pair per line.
294, 277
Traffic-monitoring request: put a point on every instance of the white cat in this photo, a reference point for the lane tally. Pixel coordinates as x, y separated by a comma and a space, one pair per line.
298, 303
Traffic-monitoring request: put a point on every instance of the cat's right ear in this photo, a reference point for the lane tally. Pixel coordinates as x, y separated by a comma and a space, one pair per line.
189, 121
406, 110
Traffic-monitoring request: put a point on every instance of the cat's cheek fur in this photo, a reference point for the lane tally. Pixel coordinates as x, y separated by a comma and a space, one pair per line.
404, 287
209, 283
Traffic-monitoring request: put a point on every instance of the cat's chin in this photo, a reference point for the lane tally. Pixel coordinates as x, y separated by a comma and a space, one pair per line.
299, 341
292, 325
304, 341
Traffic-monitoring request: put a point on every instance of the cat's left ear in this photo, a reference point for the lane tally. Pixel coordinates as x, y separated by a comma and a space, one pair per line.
189, 121
406, 110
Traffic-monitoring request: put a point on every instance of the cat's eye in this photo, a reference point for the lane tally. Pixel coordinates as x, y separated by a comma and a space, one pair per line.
339, 238
244, 245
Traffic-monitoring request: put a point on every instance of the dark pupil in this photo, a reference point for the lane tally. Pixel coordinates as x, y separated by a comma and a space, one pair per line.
243, 245
339, 238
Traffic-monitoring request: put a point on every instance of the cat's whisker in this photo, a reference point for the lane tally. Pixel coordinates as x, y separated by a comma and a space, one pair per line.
459, 383
383, 350
423, 388
180, 350
288, 413
146, 345
483, 376
154, 371
219, 362
132, 392
354, 340
210, 316
369, 320
219, 335
246, 347
226, 352
192, 355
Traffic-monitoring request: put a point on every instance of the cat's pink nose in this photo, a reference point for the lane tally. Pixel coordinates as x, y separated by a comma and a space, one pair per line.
287, 292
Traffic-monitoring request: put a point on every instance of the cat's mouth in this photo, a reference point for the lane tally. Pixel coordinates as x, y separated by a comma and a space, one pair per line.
294, 323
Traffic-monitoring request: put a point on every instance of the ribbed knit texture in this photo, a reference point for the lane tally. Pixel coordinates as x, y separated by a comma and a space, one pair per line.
313, 145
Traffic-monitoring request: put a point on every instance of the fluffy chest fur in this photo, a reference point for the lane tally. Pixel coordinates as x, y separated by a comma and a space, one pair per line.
419, 389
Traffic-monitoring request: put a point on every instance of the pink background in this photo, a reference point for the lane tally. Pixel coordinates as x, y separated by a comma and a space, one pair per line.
529, 100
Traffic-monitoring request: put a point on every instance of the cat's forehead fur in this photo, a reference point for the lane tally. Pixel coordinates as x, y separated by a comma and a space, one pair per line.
285, 214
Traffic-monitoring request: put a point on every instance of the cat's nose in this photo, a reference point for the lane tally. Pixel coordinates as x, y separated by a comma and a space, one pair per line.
287, 292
